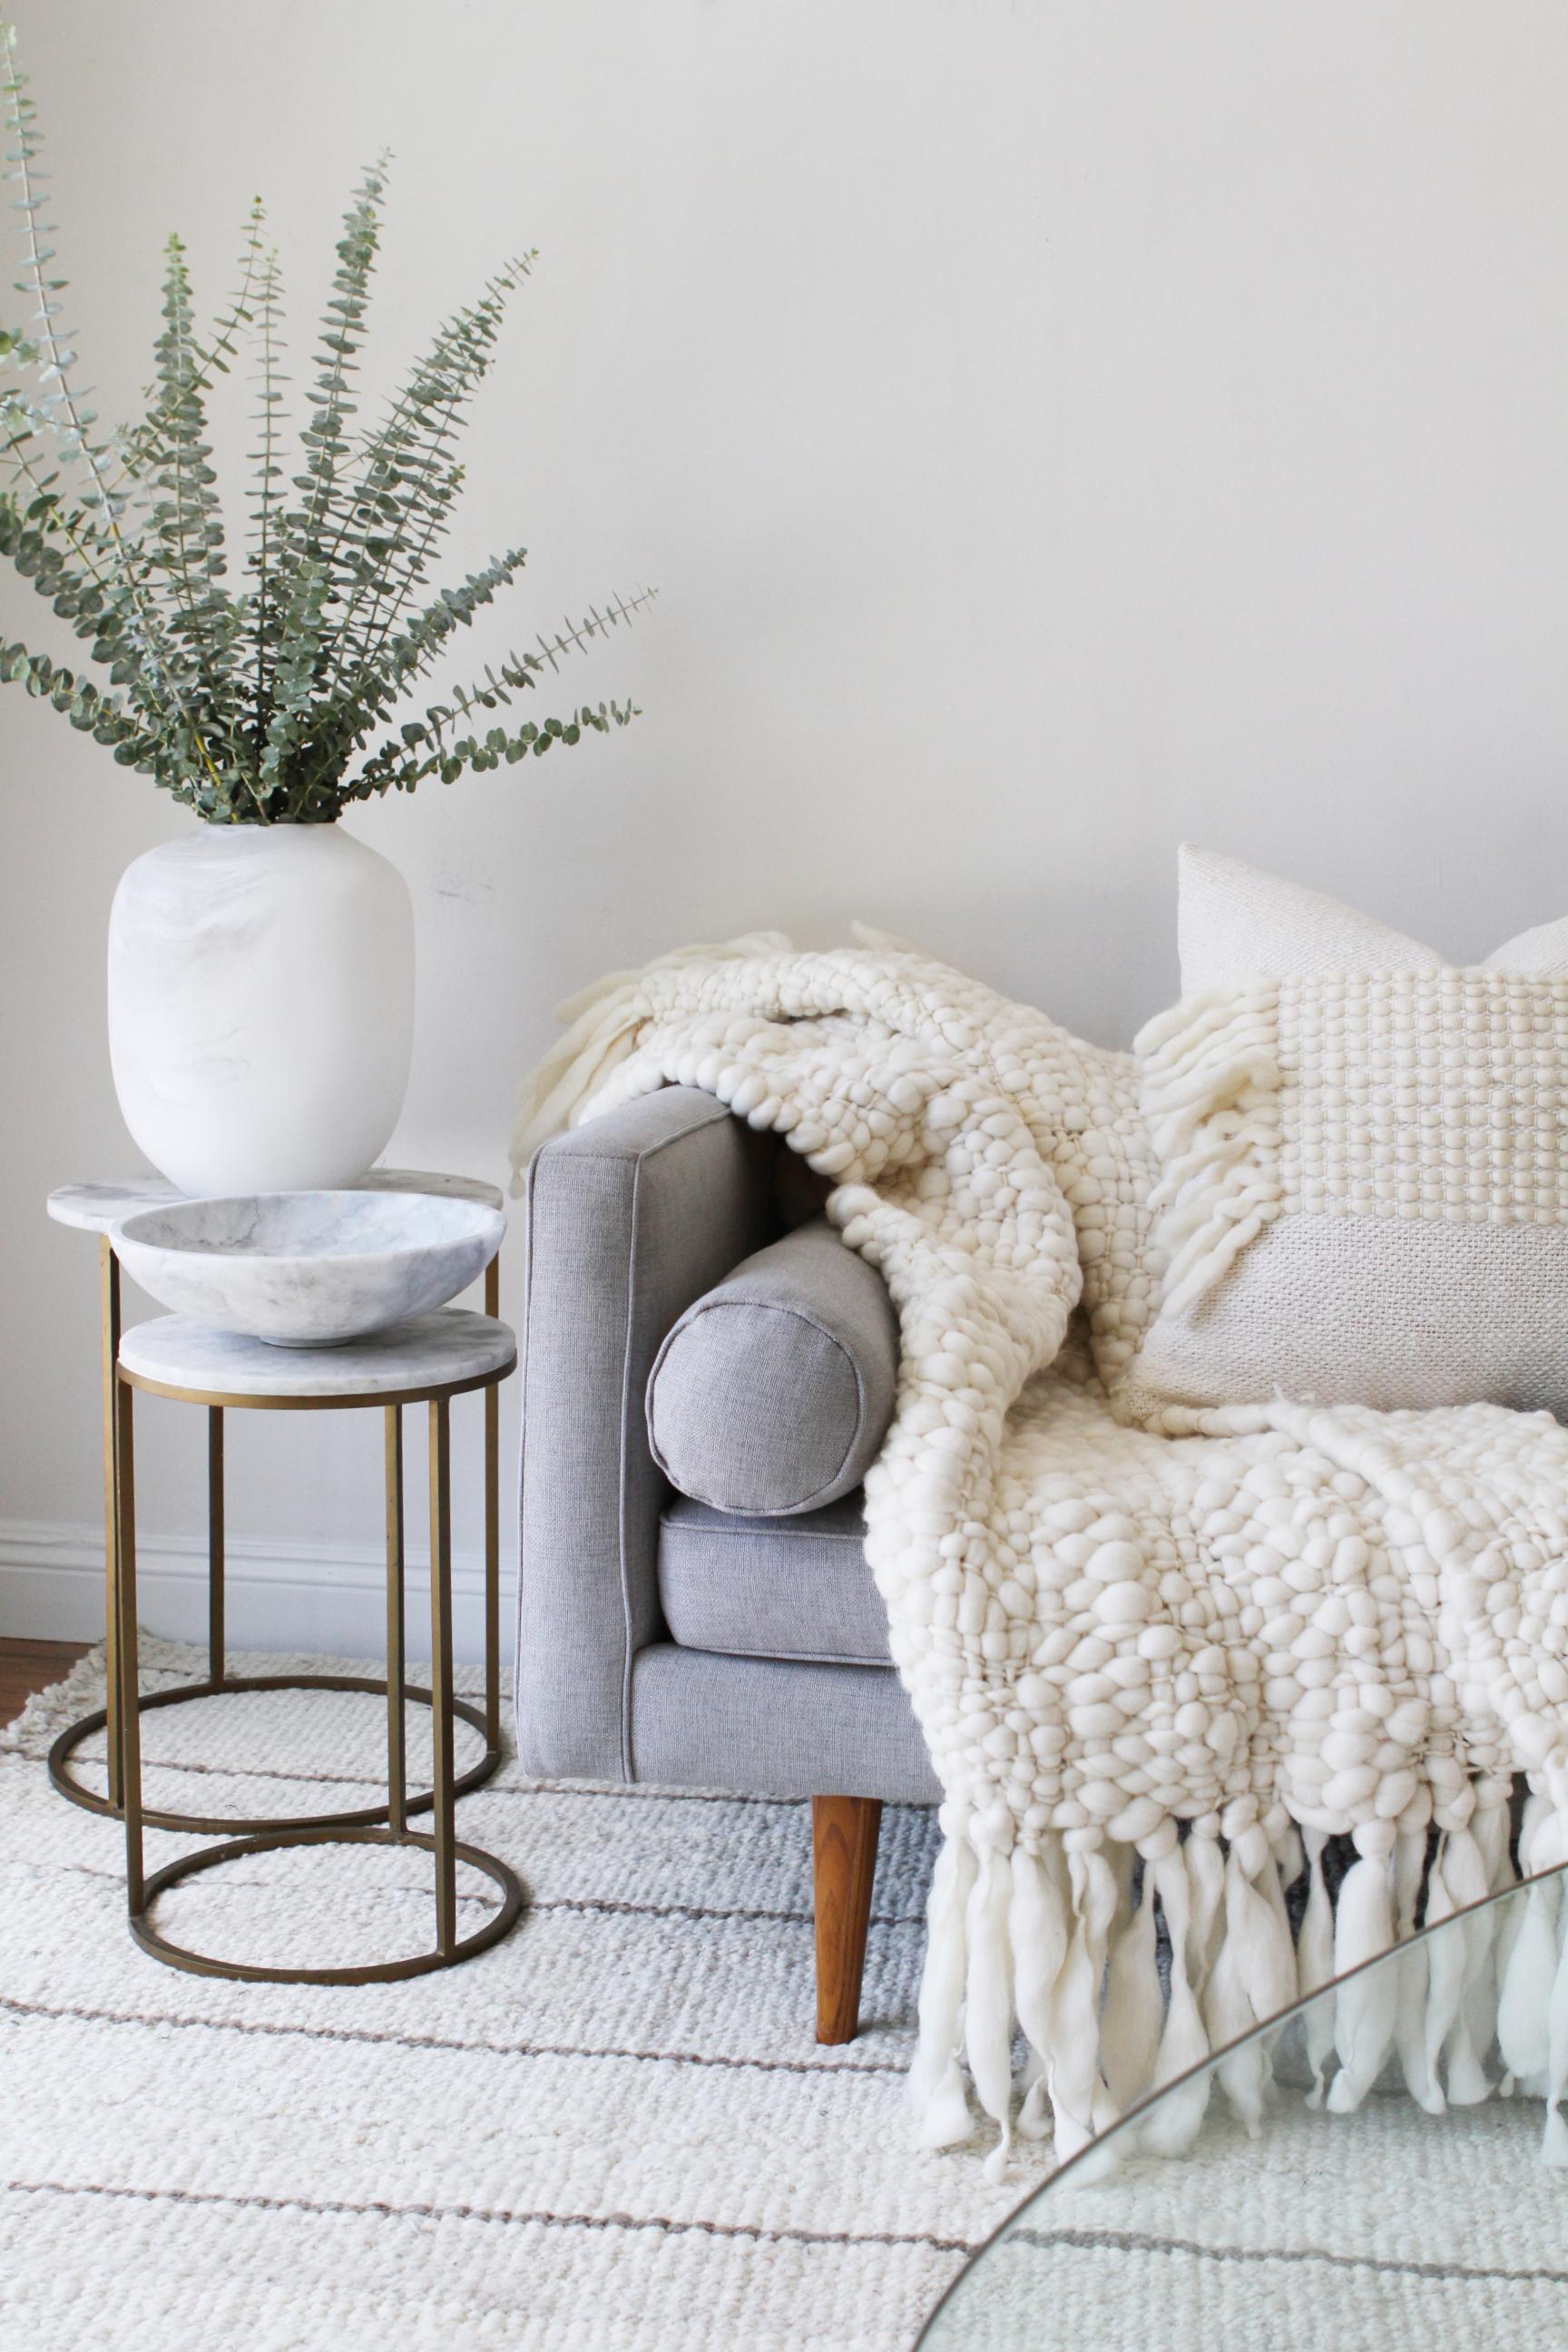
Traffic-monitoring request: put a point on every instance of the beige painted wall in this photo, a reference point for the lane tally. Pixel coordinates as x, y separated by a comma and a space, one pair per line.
1056, 429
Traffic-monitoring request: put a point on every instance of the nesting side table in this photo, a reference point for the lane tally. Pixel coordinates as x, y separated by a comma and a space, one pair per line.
427, 1360
96, 1208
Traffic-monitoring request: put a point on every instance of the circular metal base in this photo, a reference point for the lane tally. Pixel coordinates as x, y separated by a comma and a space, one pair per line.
362, 1817
176, 1956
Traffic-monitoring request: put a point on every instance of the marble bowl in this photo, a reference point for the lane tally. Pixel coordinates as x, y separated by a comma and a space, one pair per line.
308, 1269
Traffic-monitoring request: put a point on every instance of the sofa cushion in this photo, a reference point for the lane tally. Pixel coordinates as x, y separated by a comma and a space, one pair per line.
773, 1393
779, 1587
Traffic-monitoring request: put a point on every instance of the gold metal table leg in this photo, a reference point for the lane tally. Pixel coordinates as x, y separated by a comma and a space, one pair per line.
221, 1682
397, 1747
443, 1819
492, 1528
109, 1289
440, 1841
126, 1664
215, 1563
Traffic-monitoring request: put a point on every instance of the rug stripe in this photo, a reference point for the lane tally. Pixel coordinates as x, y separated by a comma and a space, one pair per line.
362, 2035
1122, 2242
378, 2210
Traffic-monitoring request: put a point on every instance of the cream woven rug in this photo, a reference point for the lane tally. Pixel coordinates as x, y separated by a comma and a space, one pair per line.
614, 2130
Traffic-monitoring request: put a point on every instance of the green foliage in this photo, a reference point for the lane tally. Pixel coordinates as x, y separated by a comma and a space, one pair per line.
262, 706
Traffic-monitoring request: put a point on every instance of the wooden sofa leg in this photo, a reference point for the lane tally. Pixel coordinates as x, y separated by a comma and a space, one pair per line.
844, 1848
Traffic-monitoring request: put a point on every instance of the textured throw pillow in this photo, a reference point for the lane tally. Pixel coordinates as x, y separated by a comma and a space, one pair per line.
1235, 923
1362, 1184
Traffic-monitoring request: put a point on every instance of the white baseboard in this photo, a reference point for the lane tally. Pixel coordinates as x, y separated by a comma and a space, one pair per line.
279, 1596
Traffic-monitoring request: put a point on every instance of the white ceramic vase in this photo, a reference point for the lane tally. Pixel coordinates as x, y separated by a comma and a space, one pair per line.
261, 1007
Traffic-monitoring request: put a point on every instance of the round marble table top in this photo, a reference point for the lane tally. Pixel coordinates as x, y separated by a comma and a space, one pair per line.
95, 1207
449, 1349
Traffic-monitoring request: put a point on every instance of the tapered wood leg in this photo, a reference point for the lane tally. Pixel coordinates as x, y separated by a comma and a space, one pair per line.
844, 1831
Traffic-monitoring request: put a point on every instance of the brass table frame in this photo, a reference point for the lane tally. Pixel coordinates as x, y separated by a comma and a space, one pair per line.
219, 1681
387, 1824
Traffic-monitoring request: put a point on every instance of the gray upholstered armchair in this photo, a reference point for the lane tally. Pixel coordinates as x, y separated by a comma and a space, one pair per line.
660, 1637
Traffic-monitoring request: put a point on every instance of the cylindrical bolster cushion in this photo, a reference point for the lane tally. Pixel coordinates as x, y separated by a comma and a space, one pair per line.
774, 1391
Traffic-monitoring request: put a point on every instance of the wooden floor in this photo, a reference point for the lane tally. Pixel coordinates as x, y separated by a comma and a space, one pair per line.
29, 1667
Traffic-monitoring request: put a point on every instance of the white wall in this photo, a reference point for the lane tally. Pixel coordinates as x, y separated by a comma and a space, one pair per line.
1056, 429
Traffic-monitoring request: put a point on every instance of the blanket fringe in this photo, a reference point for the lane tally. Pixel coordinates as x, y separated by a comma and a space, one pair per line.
1124, 1968
1315, 1964
601, 1023
1174, 2123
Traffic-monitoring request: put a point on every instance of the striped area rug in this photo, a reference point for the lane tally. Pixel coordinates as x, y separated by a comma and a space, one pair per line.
615, 2129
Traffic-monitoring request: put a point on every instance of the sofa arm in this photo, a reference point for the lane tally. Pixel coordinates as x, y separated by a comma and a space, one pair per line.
629, 1219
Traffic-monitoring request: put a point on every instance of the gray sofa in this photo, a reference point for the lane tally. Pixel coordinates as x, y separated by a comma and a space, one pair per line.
661, 1638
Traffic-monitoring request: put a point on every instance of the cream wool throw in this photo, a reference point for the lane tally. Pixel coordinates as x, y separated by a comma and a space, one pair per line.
1147, 1665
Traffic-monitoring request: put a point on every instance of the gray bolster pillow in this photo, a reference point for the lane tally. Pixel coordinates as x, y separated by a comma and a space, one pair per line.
773, 1393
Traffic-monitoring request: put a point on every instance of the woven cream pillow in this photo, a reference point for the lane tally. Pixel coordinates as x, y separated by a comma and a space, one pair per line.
1362, 1190
1234, 923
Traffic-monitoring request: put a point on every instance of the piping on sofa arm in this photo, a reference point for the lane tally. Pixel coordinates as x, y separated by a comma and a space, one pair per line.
629, 1220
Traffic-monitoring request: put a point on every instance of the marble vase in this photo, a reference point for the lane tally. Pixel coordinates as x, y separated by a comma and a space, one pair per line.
261, 1007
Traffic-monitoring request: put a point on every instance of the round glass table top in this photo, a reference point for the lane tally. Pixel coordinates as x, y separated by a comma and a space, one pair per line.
1396, 2227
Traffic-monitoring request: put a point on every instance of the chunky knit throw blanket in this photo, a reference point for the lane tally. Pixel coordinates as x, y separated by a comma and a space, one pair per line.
1152, 1664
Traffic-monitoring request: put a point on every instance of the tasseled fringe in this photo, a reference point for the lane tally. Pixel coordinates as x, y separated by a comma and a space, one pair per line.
1211, 1097
988, 1999
1253, 1976
1315, 1964
1039, 1930
1414, 2000
1132, 2015
1062, 1940
1365, 2010
936, 2080
1175, 2123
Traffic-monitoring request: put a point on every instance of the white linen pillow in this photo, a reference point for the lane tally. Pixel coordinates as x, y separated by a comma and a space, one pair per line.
1236, 923
1362, 1174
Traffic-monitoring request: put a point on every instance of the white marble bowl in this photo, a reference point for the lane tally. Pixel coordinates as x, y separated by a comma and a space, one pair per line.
308, 1269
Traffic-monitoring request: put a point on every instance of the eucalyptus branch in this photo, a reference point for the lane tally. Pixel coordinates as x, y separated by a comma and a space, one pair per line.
268, 473
56, 361
258, 707
139, 444
460, 357
187, 523
342, 335
431, 749
85, 543
341, 722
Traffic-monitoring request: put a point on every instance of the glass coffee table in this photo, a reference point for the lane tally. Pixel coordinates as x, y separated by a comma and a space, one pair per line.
1390, 2229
